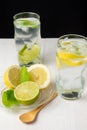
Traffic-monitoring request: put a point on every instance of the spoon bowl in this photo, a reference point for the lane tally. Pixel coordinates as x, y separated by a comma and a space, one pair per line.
30, 116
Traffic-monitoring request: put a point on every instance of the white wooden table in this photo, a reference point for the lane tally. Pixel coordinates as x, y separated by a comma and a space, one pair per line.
60, 114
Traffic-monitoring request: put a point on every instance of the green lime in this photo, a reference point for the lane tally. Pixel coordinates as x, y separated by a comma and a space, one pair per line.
27, 22
24, 75
24, 47
8, 98
27, 92
28, 55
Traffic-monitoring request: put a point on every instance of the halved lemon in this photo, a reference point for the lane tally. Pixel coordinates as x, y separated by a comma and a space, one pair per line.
12, 76
27, 92
40, 74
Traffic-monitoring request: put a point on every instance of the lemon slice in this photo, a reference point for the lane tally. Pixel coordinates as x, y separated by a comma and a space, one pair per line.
27, 92
57, 62
40, 74
66, 58
11, 76
71, 62
65, 55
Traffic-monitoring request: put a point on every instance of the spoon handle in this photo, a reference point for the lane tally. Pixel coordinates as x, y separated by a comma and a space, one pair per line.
43, 105
25, 117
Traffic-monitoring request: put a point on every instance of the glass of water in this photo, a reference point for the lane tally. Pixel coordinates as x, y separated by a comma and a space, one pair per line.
27, 37
71, 61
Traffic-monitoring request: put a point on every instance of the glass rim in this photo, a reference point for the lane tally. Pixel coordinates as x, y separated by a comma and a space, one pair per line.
20, 14
72, 36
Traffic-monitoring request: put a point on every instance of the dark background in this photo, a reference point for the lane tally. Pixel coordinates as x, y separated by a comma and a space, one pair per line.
57, 17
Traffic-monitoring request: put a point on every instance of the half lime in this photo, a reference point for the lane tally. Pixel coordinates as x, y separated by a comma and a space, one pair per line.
27, 92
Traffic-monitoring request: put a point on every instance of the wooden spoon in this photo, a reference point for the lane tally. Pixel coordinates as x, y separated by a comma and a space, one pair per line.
30, 116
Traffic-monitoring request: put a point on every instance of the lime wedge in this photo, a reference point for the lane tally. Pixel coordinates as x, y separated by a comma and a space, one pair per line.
22, 50
28, 55
28, 22
27, 92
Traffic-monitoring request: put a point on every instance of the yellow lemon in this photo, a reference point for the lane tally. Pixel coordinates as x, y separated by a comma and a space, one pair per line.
70, 59
40, 74
57, 62
11, 76
66, 55
71, 62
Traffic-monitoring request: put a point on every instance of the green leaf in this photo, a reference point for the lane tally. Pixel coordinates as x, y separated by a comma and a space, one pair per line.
8, 98
24, 75
22, 50
27, 23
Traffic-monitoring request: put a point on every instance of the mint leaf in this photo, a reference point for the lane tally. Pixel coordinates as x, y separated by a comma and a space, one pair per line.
22, 50
24, 75
8, 98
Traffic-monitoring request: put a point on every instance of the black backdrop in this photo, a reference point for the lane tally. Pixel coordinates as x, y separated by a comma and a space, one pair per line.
57, 17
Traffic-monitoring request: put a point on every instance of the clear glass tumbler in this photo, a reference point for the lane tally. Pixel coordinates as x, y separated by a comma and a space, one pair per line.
71, 60
27, 37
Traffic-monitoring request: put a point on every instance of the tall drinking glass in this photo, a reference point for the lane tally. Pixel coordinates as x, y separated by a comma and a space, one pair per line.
27, 37
71, 61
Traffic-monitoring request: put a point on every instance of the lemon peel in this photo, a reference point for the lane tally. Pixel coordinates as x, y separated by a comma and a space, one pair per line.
11, 76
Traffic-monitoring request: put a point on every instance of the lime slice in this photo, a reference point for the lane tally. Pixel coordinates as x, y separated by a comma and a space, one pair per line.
8, 98
24, 47
28, 55
27, 22
27, 92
